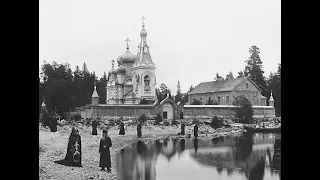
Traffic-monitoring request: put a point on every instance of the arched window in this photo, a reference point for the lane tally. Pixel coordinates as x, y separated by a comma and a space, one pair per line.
227, 99
247, 85
147, 80
137, 78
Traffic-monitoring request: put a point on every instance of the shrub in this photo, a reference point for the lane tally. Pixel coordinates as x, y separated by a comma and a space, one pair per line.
195, 121
88, 120
158, 119
215, 123
166, 123
73, 116
244, 109
174, 122
118, 121
142, 119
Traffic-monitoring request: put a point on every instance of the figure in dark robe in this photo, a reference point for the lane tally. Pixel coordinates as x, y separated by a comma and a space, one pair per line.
195, 144
121, 131
94, 127
182, 129
195, 131
73, 156
139, 133
105, 144
182, 144
181, 115
44, 116
53, 124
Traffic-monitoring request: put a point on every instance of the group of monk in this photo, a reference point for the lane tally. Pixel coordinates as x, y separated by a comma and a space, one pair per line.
105, 144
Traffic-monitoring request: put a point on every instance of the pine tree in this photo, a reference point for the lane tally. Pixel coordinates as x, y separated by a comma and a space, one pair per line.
101, 89
254, 68
240, 74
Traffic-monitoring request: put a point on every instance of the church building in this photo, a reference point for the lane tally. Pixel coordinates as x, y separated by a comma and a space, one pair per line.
135, 78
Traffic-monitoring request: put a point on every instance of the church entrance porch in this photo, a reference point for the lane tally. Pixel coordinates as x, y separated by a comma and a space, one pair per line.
167, 111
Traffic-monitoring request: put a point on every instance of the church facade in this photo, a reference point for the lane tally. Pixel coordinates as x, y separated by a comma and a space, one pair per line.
135, 77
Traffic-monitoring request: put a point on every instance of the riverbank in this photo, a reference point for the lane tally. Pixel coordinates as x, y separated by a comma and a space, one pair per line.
52, 147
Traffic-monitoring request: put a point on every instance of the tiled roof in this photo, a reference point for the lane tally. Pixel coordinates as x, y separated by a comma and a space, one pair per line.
215, 86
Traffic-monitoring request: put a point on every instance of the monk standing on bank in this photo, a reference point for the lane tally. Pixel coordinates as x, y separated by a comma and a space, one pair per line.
139, 133
105, 144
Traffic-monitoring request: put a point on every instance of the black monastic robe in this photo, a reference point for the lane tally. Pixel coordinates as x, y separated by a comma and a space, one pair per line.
68, 160
105, 159
139, 133
94, 127
121, 131
195, 130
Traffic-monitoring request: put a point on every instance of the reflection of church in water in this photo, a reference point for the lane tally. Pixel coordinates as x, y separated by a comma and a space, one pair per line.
139, 161
135, 78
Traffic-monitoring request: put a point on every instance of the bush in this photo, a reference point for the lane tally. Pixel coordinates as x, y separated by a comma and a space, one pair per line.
166, 123
195, 121
174, 122
118, 121
244, 109
142, 119
88, 120
158, 119
73, 116
215, 123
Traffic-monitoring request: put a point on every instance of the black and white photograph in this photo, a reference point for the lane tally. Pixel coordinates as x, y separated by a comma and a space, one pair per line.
160, 90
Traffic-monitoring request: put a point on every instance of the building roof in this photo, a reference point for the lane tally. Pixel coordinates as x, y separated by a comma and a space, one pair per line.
215, 86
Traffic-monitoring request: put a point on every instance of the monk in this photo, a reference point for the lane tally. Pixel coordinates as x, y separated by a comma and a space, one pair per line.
182, 129
139, 133
53, 124
105, 144
195, 130
121, 131
73, 144
94, 127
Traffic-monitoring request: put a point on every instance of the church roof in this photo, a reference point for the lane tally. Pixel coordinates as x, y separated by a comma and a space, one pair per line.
215, 86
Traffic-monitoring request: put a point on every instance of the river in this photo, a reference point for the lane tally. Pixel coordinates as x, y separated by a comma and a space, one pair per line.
246, 156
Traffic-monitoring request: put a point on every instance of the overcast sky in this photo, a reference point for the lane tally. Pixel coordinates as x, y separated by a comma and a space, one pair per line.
189, 40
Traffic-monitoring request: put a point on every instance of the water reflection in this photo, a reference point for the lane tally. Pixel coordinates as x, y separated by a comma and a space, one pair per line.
248, 156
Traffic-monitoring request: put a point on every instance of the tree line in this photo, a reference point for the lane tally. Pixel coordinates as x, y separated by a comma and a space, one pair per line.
63, 89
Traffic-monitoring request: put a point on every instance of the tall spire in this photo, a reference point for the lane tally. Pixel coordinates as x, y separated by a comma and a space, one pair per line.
144, 57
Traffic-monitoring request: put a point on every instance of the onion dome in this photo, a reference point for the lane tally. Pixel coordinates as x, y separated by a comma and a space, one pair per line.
128, 57
114, 71
143, 32
119, 60
121, 70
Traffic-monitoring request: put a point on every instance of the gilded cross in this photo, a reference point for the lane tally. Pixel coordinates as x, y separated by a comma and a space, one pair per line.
143, 18
127, 42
